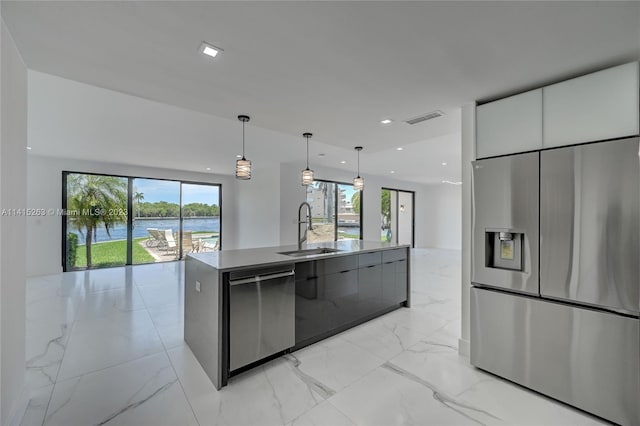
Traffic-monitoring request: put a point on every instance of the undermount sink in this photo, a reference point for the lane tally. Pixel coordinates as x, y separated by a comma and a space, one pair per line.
308, 252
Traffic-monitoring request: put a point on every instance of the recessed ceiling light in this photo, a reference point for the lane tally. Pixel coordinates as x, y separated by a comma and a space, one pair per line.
399, 148
29, 148
392, 171
451, 183
444, 164
209, 49
208, 168
386, 121
238, 156
343, 162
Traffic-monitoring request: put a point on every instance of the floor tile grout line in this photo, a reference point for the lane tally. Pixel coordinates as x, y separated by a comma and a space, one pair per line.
186, 397
155, 326
64, 352
342, 412
110, 366
166, 352
114, 365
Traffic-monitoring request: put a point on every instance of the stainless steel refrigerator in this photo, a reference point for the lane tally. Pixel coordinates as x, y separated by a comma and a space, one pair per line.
555, 272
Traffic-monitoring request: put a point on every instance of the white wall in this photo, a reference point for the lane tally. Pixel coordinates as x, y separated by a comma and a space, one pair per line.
257, 208
442, 216
13, 187
44, 189
468, 155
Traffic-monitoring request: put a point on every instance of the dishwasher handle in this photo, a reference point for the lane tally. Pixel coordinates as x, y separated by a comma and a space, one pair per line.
260, 278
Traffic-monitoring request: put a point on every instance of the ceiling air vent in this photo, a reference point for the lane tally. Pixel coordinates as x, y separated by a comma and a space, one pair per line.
429, 116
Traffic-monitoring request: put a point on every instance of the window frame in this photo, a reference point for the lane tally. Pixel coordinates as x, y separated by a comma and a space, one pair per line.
130, 180
336, 201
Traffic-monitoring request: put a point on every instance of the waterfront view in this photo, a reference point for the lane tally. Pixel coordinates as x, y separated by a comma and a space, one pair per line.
140, 226
98, 236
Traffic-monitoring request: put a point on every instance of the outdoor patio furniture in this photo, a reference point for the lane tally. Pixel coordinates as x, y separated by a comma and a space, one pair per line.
156, 238
205, 246
188, 244
170, 241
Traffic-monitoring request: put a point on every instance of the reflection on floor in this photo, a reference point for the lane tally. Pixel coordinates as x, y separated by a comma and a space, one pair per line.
105, 347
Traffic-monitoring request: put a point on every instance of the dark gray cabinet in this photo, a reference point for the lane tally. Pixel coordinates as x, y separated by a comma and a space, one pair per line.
394, 276
340, 294
326, 296
334, 293
369, 283
310, 308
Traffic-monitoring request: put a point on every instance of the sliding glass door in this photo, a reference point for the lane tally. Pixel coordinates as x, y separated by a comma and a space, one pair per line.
96, 220
336, 211
200, 230
118, 220
397, 215
156, 220
348, 212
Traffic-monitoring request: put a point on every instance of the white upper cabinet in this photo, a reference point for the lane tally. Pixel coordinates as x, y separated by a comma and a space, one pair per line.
509, 125
598, 106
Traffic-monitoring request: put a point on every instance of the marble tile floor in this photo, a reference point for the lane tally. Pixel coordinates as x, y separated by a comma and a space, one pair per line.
105, 347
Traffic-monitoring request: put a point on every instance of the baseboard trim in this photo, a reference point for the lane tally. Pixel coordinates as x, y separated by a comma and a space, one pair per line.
464, 348
19, 407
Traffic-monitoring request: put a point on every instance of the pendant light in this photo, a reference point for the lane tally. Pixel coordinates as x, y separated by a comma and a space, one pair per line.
243, 166
307, 174
358, 182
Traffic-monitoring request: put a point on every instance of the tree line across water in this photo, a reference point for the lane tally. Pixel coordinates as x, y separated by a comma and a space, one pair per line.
166, 209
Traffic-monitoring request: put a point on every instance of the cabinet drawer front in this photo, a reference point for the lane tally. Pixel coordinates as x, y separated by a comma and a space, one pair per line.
368, 259
393, 255
337, 264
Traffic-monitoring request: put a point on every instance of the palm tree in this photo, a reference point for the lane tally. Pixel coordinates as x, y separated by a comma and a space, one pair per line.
98, 200
138, 196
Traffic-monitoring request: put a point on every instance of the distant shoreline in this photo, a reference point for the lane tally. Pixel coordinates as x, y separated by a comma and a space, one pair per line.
174, 217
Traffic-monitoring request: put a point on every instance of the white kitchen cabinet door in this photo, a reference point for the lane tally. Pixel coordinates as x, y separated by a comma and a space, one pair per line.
509, 125
598, 106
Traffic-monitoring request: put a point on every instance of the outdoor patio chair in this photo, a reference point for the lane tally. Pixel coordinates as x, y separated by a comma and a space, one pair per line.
188, 244
156, 238
208, 246
170, 241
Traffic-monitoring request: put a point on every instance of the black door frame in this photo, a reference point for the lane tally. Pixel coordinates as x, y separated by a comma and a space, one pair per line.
413, 211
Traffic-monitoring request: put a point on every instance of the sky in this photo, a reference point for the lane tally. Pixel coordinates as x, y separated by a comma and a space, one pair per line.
155, 190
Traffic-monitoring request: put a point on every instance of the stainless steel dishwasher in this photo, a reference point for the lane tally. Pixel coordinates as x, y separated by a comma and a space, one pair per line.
261, 313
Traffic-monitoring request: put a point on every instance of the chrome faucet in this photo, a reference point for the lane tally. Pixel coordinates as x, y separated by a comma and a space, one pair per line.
302, 239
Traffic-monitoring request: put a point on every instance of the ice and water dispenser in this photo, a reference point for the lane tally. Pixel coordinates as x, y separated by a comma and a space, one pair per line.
504, 249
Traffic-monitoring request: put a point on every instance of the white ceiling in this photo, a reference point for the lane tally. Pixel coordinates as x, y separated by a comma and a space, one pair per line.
80, 121
332, 68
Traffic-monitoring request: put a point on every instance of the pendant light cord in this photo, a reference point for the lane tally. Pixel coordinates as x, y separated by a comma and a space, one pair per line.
307, 152
358, 163
243, 139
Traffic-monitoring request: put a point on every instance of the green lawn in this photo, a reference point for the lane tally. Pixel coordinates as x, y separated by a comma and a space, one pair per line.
345, 235
112, 253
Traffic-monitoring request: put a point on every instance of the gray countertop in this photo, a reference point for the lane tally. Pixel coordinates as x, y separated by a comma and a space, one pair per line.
225, 260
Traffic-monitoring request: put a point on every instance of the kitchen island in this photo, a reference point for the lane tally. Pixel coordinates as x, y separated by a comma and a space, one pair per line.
244, 307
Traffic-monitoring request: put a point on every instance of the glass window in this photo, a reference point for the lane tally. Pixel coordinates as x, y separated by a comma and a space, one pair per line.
116, 220
336, 211
396, 210
156, 212
96, 221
